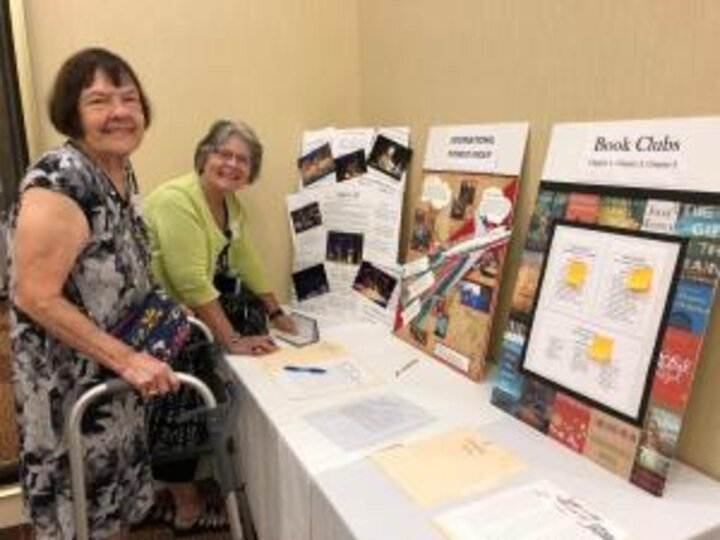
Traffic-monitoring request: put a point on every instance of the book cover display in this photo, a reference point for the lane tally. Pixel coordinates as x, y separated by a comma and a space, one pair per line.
614, 291
459, 231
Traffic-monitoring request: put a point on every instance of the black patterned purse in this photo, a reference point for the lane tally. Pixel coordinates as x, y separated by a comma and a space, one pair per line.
158, 326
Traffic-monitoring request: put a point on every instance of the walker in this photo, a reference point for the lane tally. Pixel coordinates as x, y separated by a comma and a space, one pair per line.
221, 420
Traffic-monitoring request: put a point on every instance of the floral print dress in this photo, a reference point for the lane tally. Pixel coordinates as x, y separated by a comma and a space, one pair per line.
110, 275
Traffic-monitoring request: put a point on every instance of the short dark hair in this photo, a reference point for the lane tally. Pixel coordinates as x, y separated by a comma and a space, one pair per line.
76, 74
219, 133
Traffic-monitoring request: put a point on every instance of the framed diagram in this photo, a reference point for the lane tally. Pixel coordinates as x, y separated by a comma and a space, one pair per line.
602, 304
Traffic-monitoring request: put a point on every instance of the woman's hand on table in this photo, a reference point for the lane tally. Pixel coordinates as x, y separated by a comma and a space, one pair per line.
284, 323
251, 345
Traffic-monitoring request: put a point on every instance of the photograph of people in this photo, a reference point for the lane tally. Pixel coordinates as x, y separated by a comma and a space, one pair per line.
202, 252
389, 157
316, 165
79, 262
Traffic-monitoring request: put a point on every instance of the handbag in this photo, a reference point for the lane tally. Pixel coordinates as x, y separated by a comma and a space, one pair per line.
158, 325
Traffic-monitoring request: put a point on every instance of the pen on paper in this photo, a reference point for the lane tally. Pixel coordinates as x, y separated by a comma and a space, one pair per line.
305, 369
407, 366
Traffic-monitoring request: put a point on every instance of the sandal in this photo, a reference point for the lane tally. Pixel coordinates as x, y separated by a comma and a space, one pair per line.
212, 518
162, 511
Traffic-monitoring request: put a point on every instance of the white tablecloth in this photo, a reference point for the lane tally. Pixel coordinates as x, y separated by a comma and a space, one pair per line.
302, 486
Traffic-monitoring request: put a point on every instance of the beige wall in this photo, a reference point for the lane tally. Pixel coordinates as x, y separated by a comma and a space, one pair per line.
289, 65
426, 62
283, 66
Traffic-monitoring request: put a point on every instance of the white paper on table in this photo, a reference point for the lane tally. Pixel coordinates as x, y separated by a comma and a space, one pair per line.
369, 421
538, 511
341, 375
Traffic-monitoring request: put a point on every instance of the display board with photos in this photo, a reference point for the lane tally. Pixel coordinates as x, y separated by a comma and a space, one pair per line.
459, 232
345, 222
614, 291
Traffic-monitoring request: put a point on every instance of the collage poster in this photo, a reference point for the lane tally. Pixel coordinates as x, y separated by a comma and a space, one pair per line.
459, 230
345, 222
614, 291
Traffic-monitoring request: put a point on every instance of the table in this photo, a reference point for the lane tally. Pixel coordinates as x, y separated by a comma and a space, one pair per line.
303, 487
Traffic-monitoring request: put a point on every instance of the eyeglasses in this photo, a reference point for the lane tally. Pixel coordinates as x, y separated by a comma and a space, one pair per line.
229, 157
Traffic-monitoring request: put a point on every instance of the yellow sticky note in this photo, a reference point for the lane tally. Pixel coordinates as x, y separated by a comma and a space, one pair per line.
639, 279
601, 348
576, 273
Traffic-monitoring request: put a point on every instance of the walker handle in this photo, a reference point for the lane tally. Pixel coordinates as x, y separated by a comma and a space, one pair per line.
75, 442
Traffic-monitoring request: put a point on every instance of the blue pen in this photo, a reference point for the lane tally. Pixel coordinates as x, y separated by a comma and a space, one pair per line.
305, 369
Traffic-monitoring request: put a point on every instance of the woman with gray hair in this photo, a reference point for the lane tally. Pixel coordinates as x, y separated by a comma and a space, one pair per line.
202, 252
203, 256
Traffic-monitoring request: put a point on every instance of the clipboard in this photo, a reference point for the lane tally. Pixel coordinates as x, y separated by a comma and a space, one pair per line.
307, 331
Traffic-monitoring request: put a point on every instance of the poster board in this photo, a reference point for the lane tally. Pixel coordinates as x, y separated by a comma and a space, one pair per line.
345, 222
459, 231
614, 291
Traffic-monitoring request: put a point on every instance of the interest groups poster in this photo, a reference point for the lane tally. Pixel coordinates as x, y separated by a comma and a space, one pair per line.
460, 227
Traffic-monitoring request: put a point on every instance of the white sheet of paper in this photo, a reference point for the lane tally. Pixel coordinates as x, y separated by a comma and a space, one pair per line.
369, 421
538, 511
340, 375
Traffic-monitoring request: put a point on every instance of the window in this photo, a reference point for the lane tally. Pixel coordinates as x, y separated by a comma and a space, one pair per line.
13, 146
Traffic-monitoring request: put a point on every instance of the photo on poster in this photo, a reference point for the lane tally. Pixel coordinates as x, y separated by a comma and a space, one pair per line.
344, 247
422, 231
463, 200
475, 295
389, 157
316, 165
350, 166
489, 264
419, 334
310, 282
441, 315
603, 302
306, 218
375, 284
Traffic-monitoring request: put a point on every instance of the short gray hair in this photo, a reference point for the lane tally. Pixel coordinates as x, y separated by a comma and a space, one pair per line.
219, 133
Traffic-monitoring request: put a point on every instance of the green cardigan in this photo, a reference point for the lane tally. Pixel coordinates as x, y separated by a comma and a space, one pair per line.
186, 242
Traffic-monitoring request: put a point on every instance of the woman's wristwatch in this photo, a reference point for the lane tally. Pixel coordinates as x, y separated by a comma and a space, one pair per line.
275, 313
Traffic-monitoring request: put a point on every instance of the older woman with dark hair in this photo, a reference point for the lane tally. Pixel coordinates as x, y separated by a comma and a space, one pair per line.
202, 251
79, 263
